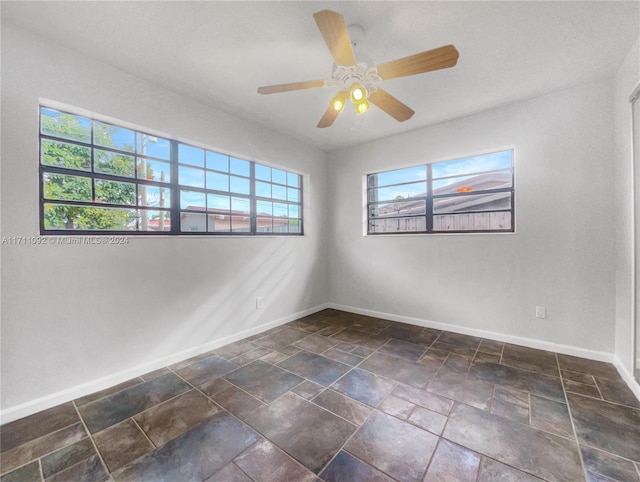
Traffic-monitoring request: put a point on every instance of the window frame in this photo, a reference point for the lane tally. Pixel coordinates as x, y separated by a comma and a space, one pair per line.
429, 197
173, 187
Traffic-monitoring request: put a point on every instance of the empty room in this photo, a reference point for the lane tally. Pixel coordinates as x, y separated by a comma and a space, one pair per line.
320, 241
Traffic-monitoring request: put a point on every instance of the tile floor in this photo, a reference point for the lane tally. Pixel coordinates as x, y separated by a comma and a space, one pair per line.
343, 397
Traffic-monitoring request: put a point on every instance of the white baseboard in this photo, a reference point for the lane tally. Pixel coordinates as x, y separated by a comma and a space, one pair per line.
492, 335
627, 377
48, 401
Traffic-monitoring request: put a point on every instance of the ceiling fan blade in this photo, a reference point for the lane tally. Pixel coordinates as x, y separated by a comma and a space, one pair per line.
329, 116
436, 59
336, 35
391, 105
276, 89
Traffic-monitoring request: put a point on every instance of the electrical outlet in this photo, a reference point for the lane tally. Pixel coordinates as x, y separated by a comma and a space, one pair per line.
541, 312
259, 302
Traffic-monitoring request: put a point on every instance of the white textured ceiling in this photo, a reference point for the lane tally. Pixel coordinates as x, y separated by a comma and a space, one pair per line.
218, 53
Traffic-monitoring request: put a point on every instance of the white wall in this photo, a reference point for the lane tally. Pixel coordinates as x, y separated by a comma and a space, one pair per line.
561, 255
626, 80
74, 314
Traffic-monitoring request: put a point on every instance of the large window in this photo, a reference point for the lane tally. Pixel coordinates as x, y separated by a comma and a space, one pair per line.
473, 194
98, 177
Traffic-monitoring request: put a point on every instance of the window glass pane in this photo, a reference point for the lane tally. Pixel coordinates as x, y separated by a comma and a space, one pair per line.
67, 188
148, 145
193, 222
154, 220
295, 226
190, 155
263, 172
474, 202
265, 225
294, 211
219, 223
280, 209
410, 174
396, 209
278, 176
477, 182
280, 225
108, 135
240, 205
216, 161
469, 165
398, 225
192, 200
293, 180
154, 196
238, 166
216, 202
57, 216
279, 192
240, 224
293, 194
70, 156
239, 185
392, 193
153, 170
472, 221
264, 207
107, 162
191, 177
67, 126
263, 189
217, 182
114, 192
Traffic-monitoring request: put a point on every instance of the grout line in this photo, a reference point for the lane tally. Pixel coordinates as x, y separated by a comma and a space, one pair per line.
144, 433
40, 469
95, 447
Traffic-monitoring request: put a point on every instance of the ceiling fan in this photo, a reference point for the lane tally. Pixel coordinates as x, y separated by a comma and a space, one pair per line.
358, 81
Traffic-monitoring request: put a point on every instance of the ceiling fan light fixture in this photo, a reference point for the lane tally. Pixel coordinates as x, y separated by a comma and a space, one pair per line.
362, 107
339, 100
358, 93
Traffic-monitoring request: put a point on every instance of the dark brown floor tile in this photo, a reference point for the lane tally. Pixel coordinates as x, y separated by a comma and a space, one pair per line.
364, 387
457, 363
238, 402
368, 324
459, 339
586, 366
345, 407
212, 367
67, 457
315, 367
330, 330
114, 408
190, 361
307, 389
606, 426
282, 338
511, 404
403, 349
308, 324
214, 386
487, 357
457, 349
274, 357
250, 356
289, 350
169, 419
424, 399
89, 470
265, 462
551, 416
194, 455
491, 347
27, 473
428, 420
393, 446
235, 349
461, 387
316, 343
582, 389
617, 391
122, 443
345, 346
286, 422
263, 380
398, 369
362, 351
397, 407
155, 374
577, 377
103, 393
453, 463
20, 455
35, 426
415, 334
342, 357
492, 471
602, 463
345, 467
434, 357
530, 359
548, 456
518, 379
229, 473
367, 340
